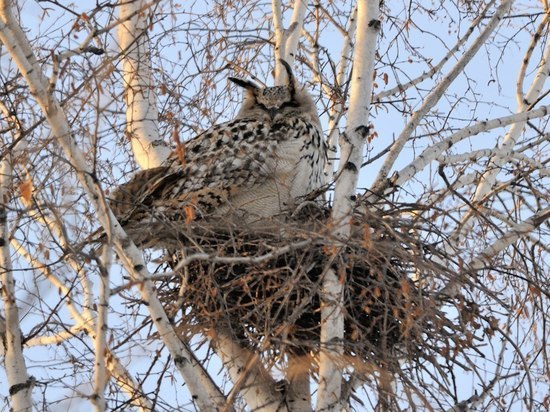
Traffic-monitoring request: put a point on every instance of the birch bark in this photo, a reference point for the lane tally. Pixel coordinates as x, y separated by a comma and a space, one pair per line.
352, 142
249, 377
286, 40
19, 381
337, 110
149, 149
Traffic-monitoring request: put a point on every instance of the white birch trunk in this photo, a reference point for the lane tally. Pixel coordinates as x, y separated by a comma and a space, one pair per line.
100, 338
295, 30
2, 335
337, 110
280, 43
286, 40
351, 149
249, 377
19, 381
149, 149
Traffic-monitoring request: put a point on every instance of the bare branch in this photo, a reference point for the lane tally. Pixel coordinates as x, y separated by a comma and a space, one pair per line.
436, 94
84, 321
520, 94
512, 235
503, 151
436, 68
248, 375
431, 153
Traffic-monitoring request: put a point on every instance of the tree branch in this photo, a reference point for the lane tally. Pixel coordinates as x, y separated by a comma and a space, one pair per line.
295, 30
250, 379
431, 100
149, 149
85, 322
502, 152
280, 41
433, 152
19, 381
100, 337
512, 235
525, 62
337, 110
435, 69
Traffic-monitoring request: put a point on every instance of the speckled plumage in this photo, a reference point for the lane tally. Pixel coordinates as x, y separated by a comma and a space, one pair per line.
253, 167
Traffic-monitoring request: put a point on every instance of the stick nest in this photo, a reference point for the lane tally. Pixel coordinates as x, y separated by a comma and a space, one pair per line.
264, 286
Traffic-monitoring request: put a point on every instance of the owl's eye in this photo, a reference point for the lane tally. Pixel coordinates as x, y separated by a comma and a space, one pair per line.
291, 103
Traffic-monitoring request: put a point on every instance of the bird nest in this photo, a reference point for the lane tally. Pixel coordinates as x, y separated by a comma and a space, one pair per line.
265, 286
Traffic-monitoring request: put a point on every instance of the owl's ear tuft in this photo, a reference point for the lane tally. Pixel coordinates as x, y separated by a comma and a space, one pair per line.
290, 77
247, 84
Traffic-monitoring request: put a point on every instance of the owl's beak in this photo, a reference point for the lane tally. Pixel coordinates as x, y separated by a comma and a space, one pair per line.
272, 112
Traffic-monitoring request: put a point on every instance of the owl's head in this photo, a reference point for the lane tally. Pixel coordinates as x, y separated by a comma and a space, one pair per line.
273, 103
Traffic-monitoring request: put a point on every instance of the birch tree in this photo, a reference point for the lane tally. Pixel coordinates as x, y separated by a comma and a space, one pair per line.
421, 282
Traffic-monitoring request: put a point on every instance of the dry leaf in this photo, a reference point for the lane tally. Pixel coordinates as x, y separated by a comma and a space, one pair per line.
180, 147
25, 188
367, 236
405, 288
330, 250
189, 211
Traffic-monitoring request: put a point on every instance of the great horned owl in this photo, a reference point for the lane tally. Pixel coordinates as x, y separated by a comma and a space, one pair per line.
255, 166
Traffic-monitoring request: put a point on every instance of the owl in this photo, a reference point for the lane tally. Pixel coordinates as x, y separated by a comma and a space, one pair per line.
256, 166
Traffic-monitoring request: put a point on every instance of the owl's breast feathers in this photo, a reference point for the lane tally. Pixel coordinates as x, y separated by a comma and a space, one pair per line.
243, 164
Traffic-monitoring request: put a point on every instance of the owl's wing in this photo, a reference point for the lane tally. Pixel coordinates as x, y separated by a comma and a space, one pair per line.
204, 172
131, 197
225, 157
